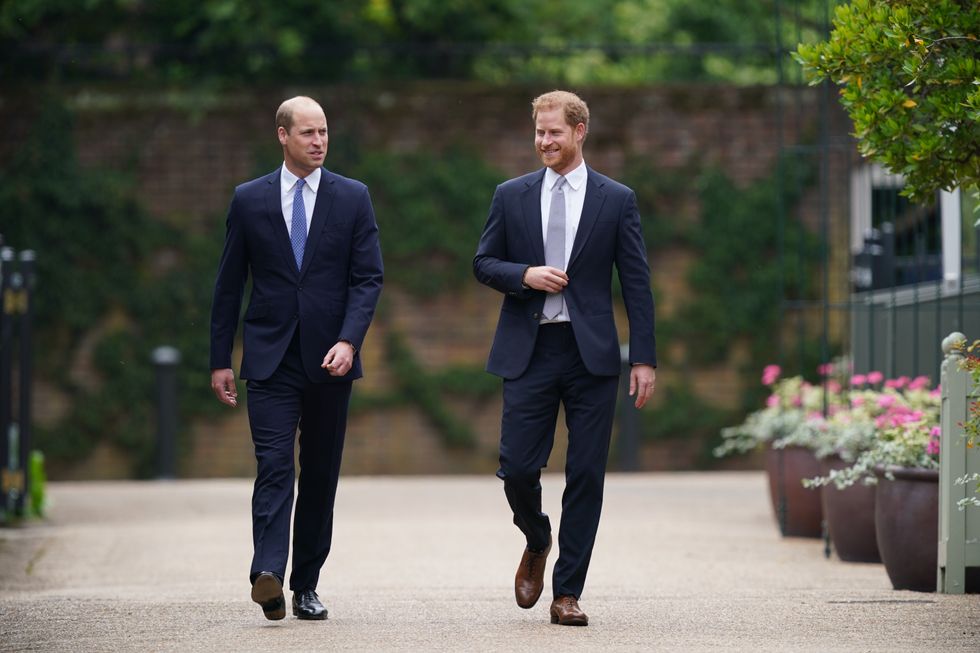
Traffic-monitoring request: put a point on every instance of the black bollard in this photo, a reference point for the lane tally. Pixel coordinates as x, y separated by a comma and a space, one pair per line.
28, 275
8, 480
629, 423
165, 359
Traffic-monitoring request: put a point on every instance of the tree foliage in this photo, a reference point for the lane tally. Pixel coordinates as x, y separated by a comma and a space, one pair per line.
909, 72
568, 41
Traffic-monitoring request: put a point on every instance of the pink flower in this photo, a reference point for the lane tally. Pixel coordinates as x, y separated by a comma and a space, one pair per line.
875, 377
933, 447
857, 401
935, 432
919, 382
937, 391
770, 373
885, 401
900, 382
772, 401
858, 380
797, 401
825, 370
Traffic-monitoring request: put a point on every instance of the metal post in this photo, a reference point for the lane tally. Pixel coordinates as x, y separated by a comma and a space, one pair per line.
959, 530
6, 380
28, 274
629, 427
165, 359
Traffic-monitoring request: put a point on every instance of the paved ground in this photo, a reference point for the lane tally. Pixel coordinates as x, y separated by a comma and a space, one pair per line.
684, 562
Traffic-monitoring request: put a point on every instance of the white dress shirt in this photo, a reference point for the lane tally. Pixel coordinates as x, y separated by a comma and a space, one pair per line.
287, 187
574, 191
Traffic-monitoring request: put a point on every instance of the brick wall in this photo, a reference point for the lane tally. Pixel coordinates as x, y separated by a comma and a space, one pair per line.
189, 151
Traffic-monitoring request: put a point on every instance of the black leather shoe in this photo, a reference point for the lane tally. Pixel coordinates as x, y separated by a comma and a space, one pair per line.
267, 592
306, 605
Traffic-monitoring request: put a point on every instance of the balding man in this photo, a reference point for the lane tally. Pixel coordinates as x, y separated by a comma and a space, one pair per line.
309, 240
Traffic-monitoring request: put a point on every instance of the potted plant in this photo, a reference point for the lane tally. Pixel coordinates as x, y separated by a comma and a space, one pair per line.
850, 429
901, 461
798, 511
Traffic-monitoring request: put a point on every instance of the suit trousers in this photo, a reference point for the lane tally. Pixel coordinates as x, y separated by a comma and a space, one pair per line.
556, 375
277, 407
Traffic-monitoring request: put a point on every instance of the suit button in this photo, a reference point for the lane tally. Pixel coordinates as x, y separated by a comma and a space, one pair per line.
536, 316
299, 288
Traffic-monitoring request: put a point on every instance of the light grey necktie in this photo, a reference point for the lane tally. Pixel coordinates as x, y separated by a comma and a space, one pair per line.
554, 247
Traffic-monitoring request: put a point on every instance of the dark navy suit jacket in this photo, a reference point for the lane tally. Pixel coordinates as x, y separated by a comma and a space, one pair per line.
608, 234
332, 297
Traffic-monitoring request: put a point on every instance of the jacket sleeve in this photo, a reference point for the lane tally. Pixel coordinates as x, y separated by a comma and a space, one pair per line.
229, 288
634, 278
366, 274
491, 265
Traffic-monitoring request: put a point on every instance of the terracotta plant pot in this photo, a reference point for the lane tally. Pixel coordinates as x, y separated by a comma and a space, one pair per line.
850, 515
907, 526
797, 508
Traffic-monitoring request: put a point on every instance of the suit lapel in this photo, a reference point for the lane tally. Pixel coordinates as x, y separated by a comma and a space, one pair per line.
324, 200
594, 198
531, 203
273, 202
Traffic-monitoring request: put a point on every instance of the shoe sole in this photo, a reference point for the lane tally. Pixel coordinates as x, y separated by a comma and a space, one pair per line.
267, 592
575, 621
307, 617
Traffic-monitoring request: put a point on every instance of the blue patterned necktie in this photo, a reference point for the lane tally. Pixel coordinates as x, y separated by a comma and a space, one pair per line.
554, 248
297, 234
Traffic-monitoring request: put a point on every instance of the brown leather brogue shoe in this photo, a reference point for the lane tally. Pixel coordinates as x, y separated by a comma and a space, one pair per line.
267, 592
565, 611
529, 580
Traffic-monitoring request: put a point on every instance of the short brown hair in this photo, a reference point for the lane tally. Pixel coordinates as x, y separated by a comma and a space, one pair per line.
284, 115
575, 109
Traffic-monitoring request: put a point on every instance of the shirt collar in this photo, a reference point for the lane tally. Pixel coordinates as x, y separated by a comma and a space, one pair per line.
288, 179
575, 179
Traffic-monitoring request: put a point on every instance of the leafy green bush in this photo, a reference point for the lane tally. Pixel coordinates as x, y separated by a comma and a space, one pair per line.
909, 72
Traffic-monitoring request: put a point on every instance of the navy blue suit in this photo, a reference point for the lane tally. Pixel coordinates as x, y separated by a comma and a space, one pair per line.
576, 363
293, 318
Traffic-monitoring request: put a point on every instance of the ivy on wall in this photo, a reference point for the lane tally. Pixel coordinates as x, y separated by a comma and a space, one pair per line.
431, 208
747, 253
116, 283
746, 258
106, 268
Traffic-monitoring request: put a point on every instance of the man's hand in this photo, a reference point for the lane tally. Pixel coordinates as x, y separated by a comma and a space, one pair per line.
339, 359
546, 278
223, 385
643, 381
